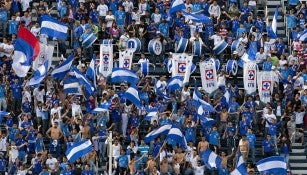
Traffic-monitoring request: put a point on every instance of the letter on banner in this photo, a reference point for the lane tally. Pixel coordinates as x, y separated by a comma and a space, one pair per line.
125, 58
208, 76
250, 77
106, 59
265, 84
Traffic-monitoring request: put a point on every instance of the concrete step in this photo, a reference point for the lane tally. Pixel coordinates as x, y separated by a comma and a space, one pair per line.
298, 150
302, 157
296, 144
273, 3
300, 172
304, 165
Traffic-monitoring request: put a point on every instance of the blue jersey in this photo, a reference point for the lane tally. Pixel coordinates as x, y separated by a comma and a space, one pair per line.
94, 16
16, 90
251, 140
197, 6
123, 161
2, 164
120, 17
190, 134
214, 138
267, 66
13, 27
164, 29
267, 146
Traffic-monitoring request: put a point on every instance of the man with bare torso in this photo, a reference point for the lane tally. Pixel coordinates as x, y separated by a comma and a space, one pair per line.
202, 145
151, 163
54, 134
85, 131
244, 147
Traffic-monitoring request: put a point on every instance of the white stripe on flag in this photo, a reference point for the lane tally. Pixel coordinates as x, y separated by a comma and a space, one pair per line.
271, 165
54, 26
79, 148
211, 159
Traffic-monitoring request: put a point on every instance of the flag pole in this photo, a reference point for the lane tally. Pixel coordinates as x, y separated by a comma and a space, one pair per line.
110, 152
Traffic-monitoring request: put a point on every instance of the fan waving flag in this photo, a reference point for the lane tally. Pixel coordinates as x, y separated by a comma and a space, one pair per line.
302, 36
27, 48
89, 88
90, 72
198, 98
78, 150
157, 132
210, 159
175, 83
196, 18
176, 135
272, 165
152, 113
205, 121
39, 74
240, 166
53, 28
274, 21
61, 70
71, 85
120, 75
132, 94
176, 6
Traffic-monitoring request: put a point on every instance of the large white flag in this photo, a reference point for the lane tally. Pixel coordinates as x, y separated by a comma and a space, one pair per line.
125, 59
250, 77
208, 76
106, 59
265, 85
46, 53
182, 66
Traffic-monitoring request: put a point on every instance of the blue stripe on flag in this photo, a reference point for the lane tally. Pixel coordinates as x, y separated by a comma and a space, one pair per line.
61, 70
78, 150
157, 132
132, 94
120, 75
53, 28
272, 165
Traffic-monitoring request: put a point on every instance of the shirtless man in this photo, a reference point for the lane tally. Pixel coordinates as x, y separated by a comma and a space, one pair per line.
223, 119
178, 160
85, 132
131, 164
202, 145
244, 147
55, 134
224, 161
151, 163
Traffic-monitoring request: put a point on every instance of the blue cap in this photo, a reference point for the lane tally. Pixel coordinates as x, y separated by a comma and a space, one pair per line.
87, 26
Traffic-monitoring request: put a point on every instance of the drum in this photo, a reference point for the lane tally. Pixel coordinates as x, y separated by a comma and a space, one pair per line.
232, 67
197, 48
220, 47
88, 42
182, 45
106, 42
155, 47
238, 46
134, 44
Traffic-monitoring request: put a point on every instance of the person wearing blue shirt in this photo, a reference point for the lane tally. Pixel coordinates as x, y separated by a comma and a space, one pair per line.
94, 16
273, 131
21, 144
267, 146
214, 139
205, 7
259, 23
102, 134
63, 9
291, 19
251, 138
245, 11
280, 46
68, 171
267, 65
3, 103
122, 162
3, 19
197, 7
164, 28
243, 126
270, 31
31, 138
3, 164
285, 148
17, 95
190, 132
240, 31
13, 26
120, 17
87, 170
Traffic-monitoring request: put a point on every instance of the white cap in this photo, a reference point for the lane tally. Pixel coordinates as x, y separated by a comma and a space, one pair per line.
235, 52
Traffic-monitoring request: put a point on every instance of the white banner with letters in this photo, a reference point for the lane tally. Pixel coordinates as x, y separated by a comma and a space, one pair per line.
250, 77
265, 85
106, 59
208, 76
181, 66
125, 58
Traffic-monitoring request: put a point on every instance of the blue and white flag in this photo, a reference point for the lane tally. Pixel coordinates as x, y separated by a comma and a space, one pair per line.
177, 5
78, 150
250, 71
240, 166
71, 85
2, 113
196, 18
210, 159
227, 96
120, 75
197, 97
176, 135
169, 66
157, 132
90, 72
151, 114
53, 28
302, 36
89, 88
103, 107
205, 121
175, 83
182, 65
274, 21
39, 74
132, 94
272, 165
145, 68
61, 70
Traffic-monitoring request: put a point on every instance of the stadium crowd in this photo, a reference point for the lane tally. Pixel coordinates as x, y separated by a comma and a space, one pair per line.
43, 121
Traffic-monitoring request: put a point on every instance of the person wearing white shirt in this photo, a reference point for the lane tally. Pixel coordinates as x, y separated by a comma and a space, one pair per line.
102, 9
35, 29
39, 94
128, 5
56, 109
268, 117
260, 56
110, 18
76, 108
199, 169
25, 4
143, 7
13, 152
143, 59
51, 162
215, 10
116, 147
216, 38
3, 141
